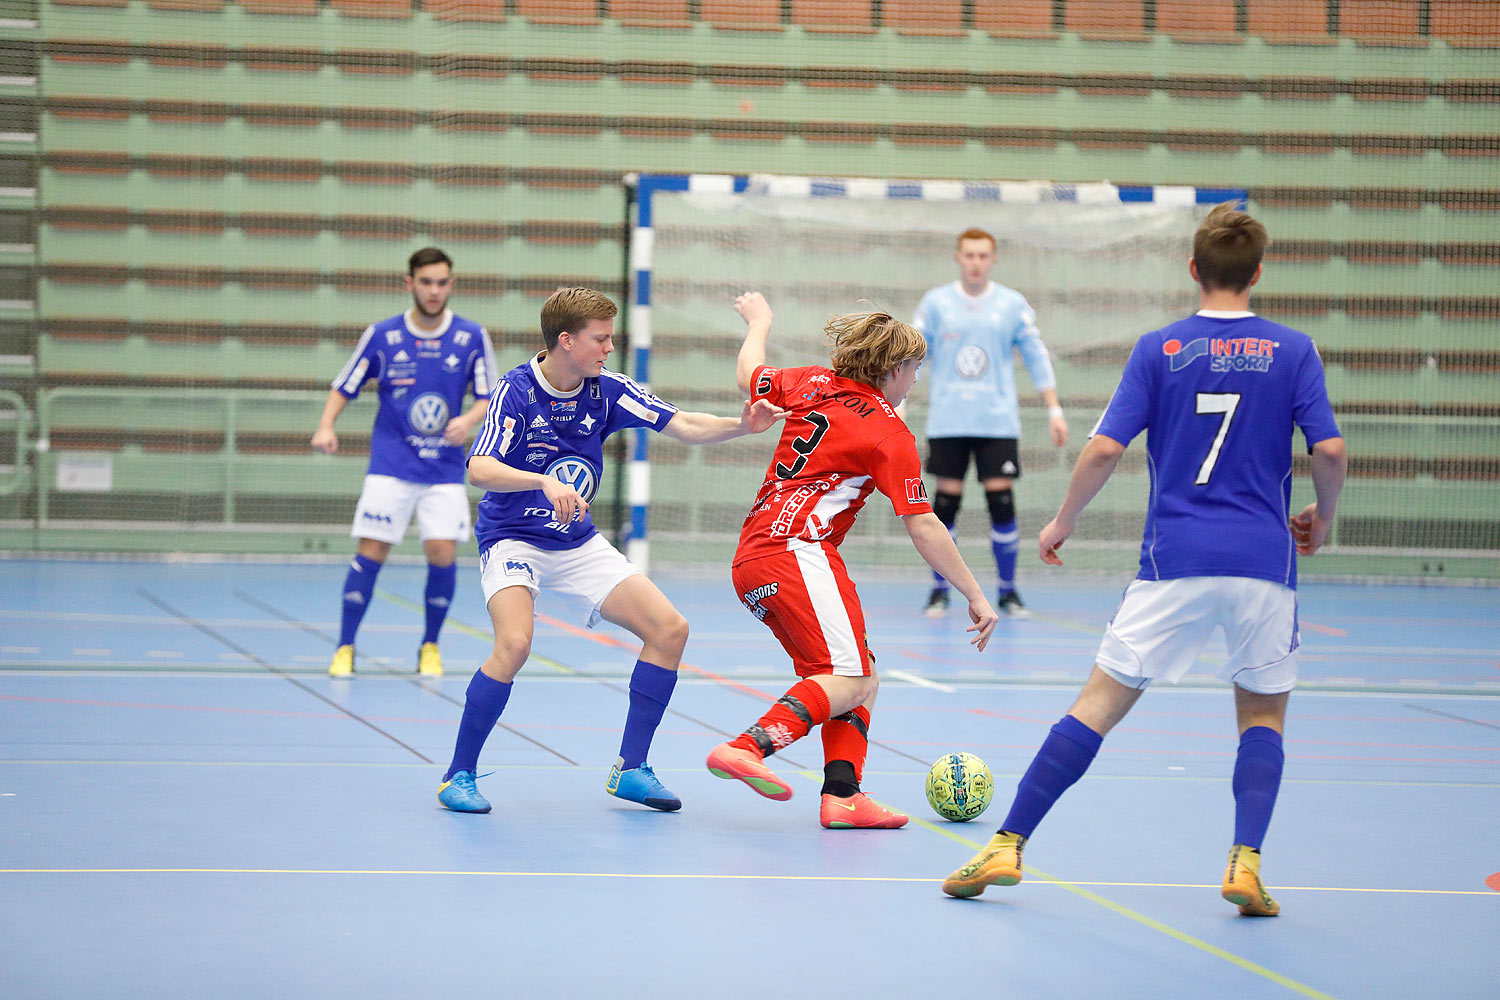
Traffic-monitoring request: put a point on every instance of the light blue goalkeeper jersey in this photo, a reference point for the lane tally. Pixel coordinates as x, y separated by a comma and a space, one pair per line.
971, 378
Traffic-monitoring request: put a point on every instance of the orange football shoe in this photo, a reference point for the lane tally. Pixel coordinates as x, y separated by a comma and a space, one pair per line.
858, 812
997, 863
1242, 885
729, 761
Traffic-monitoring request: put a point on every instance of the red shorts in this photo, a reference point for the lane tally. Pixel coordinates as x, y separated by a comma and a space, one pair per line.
809, 603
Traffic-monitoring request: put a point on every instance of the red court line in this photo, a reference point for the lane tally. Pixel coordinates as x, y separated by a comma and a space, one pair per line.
605, 640
1323, 629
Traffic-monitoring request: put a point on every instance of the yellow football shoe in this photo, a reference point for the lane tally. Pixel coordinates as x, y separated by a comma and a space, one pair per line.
1242, 885
342, 664
998, 863
429, 660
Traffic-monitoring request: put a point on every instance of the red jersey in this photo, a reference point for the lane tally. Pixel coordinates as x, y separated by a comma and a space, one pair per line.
841, 441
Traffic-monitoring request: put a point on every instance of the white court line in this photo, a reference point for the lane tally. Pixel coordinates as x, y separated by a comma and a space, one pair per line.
20, 649
919, 680
89, 651
166, 654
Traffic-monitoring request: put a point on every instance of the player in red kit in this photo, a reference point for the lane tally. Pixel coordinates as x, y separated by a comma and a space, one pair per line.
842, 441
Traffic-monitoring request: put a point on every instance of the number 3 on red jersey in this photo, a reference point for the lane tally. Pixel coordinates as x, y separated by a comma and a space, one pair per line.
804, 446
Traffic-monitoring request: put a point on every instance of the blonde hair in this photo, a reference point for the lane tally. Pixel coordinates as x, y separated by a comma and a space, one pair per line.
869, 346
1227, 248
567, 309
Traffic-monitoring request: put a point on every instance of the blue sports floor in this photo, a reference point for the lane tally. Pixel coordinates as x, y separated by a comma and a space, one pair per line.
190, 807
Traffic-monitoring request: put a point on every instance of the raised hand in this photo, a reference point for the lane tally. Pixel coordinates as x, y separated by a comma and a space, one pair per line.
753, 306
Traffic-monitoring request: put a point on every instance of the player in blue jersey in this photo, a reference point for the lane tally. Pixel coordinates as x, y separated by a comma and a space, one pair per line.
540, 455
1217, 395
424, 361
973, 328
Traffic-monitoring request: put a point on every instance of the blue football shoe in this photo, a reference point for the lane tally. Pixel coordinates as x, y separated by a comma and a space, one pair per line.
460, 794
639, 784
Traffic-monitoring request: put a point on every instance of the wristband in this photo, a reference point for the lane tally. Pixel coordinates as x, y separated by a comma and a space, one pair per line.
1053, 412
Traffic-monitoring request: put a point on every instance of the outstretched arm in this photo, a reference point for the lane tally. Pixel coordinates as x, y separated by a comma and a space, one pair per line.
1330, 463
691, 427
1096, 463
935, 546
757, 313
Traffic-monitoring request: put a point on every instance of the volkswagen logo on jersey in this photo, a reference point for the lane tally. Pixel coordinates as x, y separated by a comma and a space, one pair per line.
577, 473
428, 414
971, 362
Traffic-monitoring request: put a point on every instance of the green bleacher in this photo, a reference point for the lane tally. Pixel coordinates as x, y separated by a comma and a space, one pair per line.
203, 202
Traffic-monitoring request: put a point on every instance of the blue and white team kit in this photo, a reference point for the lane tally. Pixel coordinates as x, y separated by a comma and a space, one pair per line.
970, 342
1218, 395
423, 376
535, 427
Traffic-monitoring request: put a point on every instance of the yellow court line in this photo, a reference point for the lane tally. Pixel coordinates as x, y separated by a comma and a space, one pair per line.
686, 876
1076, 888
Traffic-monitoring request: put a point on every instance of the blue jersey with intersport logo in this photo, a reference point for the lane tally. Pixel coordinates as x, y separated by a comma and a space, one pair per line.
422, 377
1218, 395
970, 371
531, 425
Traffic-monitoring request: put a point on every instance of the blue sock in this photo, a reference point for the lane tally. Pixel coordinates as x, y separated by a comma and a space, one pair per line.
483, 702
938, 583
1257, 778
1066, 753
442, 581
1005, 542
650, 690
359, 587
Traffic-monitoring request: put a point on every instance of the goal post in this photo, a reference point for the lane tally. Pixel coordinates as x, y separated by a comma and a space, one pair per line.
1100, 263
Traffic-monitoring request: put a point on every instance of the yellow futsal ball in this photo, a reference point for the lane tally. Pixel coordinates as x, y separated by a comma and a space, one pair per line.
960, 786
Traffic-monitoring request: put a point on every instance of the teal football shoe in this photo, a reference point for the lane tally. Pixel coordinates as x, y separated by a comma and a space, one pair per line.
639, 784
461, 795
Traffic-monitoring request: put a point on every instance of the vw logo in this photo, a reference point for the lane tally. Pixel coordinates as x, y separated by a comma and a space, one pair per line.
428, 414
971, 362
577, 473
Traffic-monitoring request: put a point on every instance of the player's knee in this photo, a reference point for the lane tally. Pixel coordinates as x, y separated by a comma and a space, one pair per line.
1002, 504
945, 506
673, 630
511, 651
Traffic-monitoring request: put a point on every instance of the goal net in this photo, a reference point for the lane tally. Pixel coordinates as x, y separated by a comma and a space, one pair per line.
1100, 265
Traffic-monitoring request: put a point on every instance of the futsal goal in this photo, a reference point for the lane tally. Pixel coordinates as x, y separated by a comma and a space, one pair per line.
1100, 264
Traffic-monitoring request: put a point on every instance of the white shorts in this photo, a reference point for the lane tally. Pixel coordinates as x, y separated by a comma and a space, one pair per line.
1162, 626
386, 504
588, 574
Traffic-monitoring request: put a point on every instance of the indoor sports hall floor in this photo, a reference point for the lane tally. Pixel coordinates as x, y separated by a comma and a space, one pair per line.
190, 807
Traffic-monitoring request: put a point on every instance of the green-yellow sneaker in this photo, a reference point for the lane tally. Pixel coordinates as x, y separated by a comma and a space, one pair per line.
998, 863
429, 660
1242, 885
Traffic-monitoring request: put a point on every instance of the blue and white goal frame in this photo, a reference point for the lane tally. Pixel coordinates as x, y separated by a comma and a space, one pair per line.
647, 186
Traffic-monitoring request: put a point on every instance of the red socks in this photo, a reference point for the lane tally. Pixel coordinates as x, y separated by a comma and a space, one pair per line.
791, 718
847, 738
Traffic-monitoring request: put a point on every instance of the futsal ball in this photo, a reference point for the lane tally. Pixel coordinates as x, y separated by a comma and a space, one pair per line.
960, 786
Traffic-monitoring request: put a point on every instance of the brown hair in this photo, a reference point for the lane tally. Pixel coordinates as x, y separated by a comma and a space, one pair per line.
1228, 248
426, 257
868, 346
974, 234
567, 309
